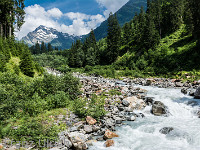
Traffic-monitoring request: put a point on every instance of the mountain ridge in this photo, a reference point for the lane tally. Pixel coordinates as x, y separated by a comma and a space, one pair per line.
50, 35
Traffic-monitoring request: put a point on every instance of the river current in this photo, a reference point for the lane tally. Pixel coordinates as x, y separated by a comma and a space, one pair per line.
143, 134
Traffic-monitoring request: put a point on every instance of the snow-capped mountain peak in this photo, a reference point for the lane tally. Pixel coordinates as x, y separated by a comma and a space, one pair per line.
49, 35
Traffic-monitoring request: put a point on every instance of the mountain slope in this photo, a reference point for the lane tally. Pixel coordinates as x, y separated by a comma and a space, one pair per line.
50, 35
124, 14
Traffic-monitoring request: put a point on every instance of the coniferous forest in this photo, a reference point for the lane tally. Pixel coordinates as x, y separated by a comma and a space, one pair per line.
164, 39
160, 41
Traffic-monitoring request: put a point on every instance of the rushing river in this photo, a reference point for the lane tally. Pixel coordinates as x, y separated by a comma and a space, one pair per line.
143, 134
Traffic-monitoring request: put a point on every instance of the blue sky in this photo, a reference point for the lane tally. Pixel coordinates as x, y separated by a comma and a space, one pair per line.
75, 17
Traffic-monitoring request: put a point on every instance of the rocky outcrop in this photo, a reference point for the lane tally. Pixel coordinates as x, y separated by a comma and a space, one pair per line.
159, 109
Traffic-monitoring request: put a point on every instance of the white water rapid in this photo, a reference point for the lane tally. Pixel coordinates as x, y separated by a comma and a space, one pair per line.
143, 134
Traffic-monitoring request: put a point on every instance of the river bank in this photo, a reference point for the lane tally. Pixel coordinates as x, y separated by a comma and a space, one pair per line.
128, 106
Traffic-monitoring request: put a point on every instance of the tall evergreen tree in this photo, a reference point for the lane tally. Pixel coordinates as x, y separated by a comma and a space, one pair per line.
37, 48
195, 12
26, 64
49, 47
43, 48
113, 38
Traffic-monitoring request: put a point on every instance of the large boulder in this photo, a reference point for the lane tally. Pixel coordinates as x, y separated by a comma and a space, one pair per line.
76, 137
197, 93
159, 109
135, 103
88, 129
109, 135
109, 143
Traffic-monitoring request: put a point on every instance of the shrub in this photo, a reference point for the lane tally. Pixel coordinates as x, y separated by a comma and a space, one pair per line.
88, 68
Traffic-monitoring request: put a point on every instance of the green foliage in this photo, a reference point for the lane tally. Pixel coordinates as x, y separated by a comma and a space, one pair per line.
34, 130
26, 64
113, 39
93, 107
19, 98
88, 68
52, 61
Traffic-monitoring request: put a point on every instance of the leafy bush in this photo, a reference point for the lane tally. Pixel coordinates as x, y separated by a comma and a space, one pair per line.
19, 98
93, 107
88, 68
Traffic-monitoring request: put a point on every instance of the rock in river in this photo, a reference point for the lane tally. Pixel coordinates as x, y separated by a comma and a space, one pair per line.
197, 93
159, 108
109, 143
109, 135
166, 130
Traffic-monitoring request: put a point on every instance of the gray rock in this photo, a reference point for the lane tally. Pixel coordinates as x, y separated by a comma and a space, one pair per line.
120, 83
72, 129
179, 84
131, 118
118, 120
184, 91
88, 129
166, 130
67, 143
159, 108
149, 100
109, 122
100, 139
191, 92
121, 108
76, 137
197, 93
125, 103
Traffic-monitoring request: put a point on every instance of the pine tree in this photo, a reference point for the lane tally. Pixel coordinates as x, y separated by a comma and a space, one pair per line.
37, 48
43, 48
151, 36
26, 64
49, 47
90, 58
127, 33
113, 38
195, 11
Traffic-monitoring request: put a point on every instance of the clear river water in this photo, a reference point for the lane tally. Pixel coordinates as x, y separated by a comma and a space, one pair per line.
143, 134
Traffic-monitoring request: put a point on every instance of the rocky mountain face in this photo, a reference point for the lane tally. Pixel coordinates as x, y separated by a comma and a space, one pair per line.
50, 35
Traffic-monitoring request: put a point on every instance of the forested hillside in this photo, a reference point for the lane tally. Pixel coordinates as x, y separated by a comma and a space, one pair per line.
124, 15
162, 40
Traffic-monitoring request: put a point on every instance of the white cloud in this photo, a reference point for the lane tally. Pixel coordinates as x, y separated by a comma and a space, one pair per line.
37, 15
111, 5
55, 12
82, 23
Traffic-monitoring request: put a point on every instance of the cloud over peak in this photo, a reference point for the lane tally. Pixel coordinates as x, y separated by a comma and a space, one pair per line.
37, 15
